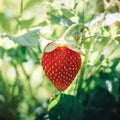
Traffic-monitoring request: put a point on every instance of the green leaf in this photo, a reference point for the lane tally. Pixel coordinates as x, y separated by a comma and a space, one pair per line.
97, 53
111, 86
58, 19
12, 52
67, 12
54, 19
109, 78
2, 50
65, 107
100, 44
27, 39
54, 102
117, 38
66, 20
5, 22
18, 53
112, 50
26, 23
44, 23
31, 3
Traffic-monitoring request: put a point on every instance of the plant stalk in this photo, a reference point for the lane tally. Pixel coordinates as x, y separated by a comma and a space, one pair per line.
20, 16
71, 27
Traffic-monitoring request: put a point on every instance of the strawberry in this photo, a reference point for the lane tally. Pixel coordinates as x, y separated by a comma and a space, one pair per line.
61, 64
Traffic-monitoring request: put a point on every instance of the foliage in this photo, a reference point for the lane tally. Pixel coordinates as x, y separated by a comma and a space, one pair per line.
24, 89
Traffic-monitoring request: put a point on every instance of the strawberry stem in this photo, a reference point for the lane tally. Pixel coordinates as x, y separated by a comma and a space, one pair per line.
81, 79
71, 27
81, 76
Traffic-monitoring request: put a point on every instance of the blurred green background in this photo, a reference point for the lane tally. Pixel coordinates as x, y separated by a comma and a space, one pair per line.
25, 90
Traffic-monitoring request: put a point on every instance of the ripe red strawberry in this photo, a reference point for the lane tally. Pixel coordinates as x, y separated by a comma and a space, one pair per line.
61, 65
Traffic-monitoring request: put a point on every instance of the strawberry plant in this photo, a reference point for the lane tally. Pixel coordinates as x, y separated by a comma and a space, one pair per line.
59, 60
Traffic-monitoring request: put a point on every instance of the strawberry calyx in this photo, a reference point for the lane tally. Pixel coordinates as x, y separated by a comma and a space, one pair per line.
53, 45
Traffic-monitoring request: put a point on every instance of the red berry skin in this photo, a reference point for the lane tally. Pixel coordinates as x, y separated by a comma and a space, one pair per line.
61, 66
